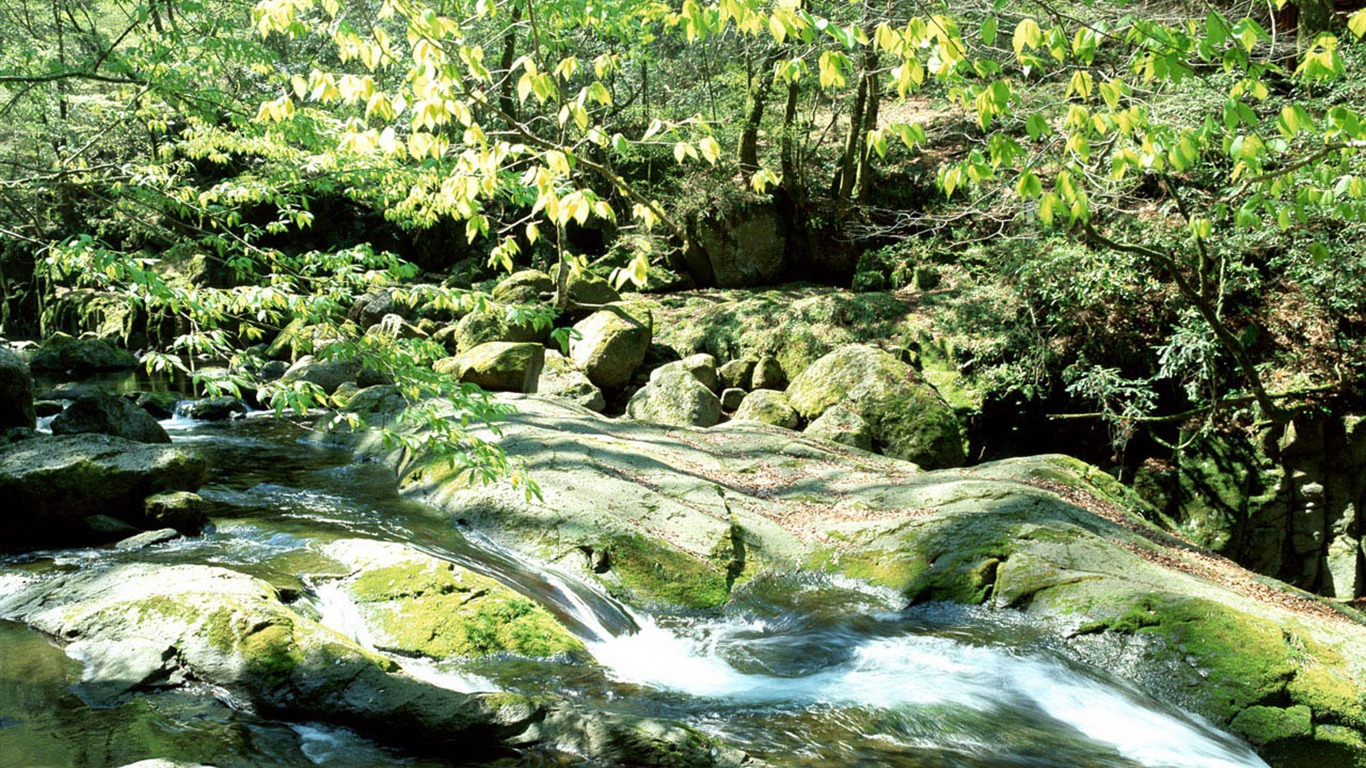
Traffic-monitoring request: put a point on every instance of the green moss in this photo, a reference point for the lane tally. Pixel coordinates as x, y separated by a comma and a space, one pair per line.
795, 326
443, 612
653, 572
1330, 745
1264, 725
1328, 691
1247, 659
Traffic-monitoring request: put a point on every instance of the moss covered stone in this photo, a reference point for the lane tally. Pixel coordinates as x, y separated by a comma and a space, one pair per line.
498, 366
1264, 725
650, 572
908, 418
768, 407
419, 604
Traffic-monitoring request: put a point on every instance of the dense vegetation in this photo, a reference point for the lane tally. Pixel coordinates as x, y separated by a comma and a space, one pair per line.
1146, 216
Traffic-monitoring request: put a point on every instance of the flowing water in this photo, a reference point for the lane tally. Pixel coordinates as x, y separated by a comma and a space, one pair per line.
799, 670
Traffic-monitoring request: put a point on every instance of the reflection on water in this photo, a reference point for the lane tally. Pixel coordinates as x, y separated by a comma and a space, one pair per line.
802, 671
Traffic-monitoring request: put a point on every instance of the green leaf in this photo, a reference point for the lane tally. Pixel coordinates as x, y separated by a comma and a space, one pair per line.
1027, 35
1357, 23
1029, 186
989, 31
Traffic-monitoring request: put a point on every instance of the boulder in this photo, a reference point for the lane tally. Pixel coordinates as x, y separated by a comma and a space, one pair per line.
731, 398
67, 353
524, 287
16, 392
161, 405
416, 604
182, 510
768, 407
371, 308
51, 484
497, 366
103, 413
610, 346
273, 370
584, 287
736, 374
747, 247
702, 366
495, 324
675, 398
768, 374
907, 417
681, 518
146, 539
219, 408
44, 408
562, 381
143, 625
293, 341
840, 424
393, 326
326, 374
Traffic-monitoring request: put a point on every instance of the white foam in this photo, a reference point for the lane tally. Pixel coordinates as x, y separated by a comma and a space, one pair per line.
921, 670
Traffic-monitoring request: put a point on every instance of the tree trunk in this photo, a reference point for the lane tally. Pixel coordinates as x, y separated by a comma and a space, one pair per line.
749, 138
870, 118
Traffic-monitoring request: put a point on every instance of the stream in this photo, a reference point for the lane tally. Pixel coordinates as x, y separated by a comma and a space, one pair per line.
801, 671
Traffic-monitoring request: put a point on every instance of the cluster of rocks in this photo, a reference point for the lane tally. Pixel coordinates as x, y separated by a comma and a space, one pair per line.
857, 395
107, 471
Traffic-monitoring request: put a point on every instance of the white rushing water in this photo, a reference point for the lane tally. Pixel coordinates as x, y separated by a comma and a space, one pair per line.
918, 671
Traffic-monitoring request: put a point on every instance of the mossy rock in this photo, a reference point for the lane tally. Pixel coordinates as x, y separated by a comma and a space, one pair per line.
586, 288
610, 346
907, 417
768, 407
523, 287
419, 604
841, 424
497, 366
495, 324
675, 397
645, 571
62, 353
796, 326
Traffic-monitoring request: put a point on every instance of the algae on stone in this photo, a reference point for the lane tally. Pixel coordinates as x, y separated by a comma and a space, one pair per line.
419, 604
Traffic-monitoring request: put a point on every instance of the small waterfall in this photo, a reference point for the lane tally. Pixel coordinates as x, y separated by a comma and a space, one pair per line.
916, 671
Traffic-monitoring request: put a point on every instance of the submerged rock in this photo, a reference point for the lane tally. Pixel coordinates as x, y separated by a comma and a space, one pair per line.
67, 353
102, 413
51, 484
907, 417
